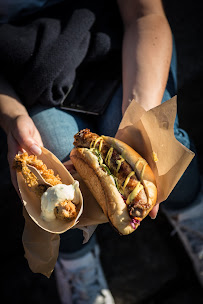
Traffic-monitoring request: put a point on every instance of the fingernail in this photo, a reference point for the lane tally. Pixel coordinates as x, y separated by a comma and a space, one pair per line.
153, 217
35, 149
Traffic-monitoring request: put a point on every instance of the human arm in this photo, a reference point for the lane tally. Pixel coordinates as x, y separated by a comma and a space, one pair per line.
146, 54
20, 129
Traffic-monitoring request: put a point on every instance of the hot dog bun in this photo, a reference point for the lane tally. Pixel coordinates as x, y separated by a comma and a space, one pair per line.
103, 187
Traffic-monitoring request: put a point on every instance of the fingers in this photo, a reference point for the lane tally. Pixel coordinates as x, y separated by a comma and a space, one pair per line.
69, 166
23, 135
35, 149
153, 213
27, 135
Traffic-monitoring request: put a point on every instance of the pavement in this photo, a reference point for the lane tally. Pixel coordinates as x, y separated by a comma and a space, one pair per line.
150, 266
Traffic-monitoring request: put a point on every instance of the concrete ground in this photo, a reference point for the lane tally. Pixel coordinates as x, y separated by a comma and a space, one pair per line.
150, 266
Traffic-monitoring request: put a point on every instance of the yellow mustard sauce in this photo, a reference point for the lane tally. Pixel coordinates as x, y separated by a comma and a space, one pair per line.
137, 163
142, 173
108, 156
127, 179
155, 157
139, 186
143, 169
119, 162
134, 193
100, 144
123, 154
96, 141
93, 143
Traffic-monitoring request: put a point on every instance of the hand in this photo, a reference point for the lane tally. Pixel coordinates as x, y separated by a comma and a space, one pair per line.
69, 166
153, 213
22, 135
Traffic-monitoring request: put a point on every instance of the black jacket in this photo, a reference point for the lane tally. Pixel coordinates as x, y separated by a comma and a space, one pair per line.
44, 55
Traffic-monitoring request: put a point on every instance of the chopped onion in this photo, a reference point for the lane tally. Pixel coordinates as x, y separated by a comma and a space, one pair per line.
133, 222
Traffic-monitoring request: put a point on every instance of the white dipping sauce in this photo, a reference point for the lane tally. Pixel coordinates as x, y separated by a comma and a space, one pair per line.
55, 195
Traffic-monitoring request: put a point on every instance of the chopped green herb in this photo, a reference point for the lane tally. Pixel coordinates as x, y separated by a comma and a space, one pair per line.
98, 155
104, 167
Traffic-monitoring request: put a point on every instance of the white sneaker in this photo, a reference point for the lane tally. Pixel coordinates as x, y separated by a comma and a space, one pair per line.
188, 224
82, 281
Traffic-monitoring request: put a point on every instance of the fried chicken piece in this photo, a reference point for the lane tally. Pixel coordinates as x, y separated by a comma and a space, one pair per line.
65, 210
20, 164
29, 177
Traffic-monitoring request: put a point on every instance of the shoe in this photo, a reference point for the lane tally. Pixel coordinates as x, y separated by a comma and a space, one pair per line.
82, 281
188, 224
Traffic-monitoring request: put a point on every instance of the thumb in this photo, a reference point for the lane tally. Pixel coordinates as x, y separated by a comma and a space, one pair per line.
30, 145
27, 136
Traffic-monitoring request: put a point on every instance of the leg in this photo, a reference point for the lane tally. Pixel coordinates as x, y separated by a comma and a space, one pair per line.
57, 128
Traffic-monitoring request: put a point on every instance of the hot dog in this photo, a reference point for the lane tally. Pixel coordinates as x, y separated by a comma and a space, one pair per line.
119, 178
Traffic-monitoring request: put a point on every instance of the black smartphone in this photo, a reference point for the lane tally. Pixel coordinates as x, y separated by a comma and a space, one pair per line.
90, 96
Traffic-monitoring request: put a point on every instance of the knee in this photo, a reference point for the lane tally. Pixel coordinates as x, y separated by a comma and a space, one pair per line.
57, 129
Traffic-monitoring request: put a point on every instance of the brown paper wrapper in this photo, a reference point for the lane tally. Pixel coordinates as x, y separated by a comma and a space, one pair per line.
41, 247
32, 202
151, 134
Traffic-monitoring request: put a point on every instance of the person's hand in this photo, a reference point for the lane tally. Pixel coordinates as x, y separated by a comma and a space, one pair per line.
153, 213
22, 135
69, 166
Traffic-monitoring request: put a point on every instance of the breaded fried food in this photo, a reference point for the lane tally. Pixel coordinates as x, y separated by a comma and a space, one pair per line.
64, 210
20, 164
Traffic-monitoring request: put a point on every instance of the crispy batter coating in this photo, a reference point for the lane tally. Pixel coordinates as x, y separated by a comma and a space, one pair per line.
29, 177
65, 210
20, 164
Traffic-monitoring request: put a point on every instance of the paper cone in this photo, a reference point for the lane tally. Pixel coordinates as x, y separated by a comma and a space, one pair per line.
151, 133
32, 202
